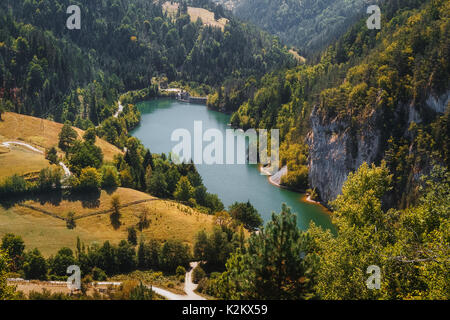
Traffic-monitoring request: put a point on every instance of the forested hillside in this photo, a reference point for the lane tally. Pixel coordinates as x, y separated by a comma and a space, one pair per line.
309, 25
374, 95
48, 70
365, 128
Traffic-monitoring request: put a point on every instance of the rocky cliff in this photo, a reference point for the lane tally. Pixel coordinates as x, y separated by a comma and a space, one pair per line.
335, 151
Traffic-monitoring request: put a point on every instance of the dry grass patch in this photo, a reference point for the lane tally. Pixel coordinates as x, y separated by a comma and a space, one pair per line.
168, 220
195, 13
20, 160
297, 57
40, 231
84, 204
41, 133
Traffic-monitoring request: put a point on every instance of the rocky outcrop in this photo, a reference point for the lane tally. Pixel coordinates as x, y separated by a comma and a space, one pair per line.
438, 104
335, 151
435, 103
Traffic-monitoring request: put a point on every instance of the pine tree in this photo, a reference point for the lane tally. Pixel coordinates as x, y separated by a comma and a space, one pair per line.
67, 137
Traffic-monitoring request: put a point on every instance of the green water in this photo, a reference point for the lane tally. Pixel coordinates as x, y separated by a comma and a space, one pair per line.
231, 182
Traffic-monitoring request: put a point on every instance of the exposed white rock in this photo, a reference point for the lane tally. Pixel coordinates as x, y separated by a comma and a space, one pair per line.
330, 153
333, 153
438, 104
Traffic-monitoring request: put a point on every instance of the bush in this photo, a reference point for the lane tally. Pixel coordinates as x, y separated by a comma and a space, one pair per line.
198, 274
52, 155
296, 179
49, 178
184, 190
98, 274
89, 180
70, 222
110, 177
181, 271
13, 185
67, 137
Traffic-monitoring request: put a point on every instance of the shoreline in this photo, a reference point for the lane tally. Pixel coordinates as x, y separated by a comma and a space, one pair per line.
306, 197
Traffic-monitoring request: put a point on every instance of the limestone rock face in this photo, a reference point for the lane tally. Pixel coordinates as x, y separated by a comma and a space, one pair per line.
334, 151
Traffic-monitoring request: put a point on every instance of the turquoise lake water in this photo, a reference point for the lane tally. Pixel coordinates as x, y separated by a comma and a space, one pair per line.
231, 182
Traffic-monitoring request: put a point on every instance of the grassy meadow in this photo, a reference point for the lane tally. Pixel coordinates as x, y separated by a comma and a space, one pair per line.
168, 220
42, 134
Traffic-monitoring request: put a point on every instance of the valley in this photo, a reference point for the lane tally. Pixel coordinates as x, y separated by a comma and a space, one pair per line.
358, 117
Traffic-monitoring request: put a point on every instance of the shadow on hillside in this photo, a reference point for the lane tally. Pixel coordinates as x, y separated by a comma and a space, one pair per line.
89, 200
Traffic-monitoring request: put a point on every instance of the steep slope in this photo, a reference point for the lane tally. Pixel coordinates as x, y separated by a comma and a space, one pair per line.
375, 95
307, 24
77, 75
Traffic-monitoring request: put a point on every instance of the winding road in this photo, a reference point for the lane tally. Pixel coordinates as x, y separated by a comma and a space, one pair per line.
189, 288
26, 145
118, 110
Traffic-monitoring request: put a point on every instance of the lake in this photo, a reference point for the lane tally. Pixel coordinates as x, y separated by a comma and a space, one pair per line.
232, 183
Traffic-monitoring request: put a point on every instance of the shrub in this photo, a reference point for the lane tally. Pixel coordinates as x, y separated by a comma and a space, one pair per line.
181, 271
89, 180
70, 222
173, 254
110, 177
198, 274
52, 155
98, 274
63, 259
50, 178
13, 185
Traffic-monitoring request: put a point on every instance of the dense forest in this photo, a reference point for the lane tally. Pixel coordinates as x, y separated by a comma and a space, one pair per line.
50, 71
309, 25
366, 72
383, 86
